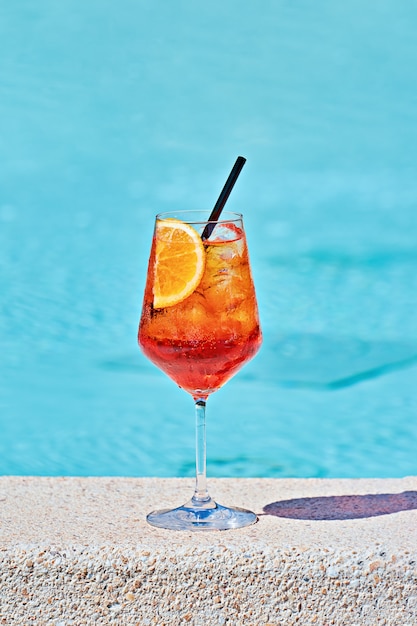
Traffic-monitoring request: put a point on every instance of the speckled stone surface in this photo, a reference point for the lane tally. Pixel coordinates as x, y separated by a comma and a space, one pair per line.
79, 551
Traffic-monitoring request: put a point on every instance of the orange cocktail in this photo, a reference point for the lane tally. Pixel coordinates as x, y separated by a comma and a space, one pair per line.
199, 324
205, 338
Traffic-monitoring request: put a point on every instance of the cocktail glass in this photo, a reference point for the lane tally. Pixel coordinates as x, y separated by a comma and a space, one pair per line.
200, 325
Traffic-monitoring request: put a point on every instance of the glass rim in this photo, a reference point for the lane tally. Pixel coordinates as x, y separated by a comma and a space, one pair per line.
184, 214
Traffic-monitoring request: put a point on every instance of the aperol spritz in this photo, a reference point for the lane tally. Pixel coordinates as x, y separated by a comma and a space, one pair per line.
200, 325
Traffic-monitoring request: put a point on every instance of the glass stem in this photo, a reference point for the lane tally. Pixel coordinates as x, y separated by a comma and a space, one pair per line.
201, 495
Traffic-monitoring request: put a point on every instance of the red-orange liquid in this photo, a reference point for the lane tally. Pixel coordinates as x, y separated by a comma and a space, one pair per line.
204, 340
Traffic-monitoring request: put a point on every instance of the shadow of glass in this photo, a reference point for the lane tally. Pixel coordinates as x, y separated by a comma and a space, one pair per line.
343, 507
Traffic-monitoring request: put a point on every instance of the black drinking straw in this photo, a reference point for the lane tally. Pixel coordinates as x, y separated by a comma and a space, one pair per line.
222, 199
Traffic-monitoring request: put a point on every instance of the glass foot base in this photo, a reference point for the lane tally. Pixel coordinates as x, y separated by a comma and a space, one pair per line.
211, 517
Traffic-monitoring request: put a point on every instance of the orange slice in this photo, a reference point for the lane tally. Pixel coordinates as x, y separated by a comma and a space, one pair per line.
179, 262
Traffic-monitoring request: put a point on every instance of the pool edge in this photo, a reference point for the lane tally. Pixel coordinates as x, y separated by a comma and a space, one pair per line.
324, 551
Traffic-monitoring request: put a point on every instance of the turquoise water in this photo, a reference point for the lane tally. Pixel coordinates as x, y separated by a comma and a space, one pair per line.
110, 113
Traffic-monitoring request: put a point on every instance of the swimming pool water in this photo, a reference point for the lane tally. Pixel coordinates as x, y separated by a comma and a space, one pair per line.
109, 114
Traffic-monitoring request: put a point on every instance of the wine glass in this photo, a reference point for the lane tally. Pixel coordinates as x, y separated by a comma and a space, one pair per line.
200, 325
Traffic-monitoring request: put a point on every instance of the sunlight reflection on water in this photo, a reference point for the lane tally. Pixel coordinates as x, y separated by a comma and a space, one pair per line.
111, 114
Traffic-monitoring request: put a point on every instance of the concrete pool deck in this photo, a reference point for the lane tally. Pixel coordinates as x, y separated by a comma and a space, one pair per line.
324, 551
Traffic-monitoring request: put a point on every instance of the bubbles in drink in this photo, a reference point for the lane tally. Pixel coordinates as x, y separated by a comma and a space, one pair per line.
203, 340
